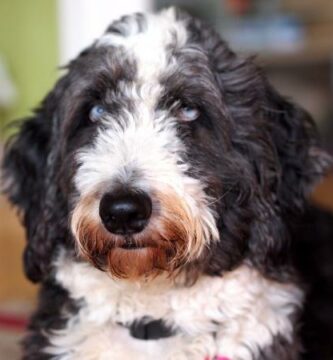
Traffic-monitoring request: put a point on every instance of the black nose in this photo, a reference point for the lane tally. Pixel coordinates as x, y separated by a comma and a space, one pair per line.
125, 212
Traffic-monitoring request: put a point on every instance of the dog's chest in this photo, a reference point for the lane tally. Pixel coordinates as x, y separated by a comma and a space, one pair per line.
192, 309
217, 315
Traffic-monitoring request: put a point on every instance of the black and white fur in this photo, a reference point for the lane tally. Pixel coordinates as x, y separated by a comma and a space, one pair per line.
218, 261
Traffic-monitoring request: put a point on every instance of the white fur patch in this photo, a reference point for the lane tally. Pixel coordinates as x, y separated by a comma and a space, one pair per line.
243, 308
149, 47
140, 142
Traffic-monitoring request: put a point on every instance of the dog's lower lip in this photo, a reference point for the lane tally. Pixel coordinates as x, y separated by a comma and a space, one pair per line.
132, 246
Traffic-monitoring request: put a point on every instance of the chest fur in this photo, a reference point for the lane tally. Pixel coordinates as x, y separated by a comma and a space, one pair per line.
235, 315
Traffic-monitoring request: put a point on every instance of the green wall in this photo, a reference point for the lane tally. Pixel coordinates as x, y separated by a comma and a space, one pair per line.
29, 45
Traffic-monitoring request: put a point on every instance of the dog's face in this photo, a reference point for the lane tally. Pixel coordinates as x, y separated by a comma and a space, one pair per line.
153, 117
161, 150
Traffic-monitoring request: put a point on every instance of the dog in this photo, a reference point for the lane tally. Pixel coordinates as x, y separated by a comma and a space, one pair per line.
163, 184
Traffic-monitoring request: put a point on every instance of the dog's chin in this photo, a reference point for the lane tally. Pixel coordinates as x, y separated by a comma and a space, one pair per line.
130, 258
133, 262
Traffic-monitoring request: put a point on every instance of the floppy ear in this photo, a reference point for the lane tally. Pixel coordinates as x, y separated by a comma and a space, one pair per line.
303, 162
32, 175
26, 182
298, 164
283, 159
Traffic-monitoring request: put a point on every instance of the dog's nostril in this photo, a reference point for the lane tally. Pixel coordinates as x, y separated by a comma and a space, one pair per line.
125, 212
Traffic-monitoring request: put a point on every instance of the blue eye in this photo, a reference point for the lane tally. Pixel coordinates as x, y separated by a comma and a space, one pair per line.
96, 113
188, 113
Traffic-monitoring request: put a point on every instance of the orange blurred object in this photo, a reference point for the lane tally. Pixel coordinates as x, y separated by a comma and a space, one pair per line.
239, 7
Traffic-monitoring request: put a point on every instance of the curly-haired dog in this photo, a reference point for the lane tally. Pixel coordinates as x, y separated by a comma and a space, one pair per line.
161, 183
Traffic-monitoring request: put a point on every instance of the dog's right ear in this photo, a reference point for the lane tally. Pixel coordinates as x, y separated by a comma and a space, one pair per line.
23, 181
30, 173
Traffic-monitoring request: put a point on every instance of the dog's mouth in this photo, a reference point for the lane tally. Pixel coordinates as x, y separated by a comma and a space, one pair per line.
132, 246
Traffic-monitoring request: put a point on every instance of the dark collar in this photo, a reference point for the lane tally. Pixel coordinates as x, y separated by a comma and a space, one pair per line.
147, 329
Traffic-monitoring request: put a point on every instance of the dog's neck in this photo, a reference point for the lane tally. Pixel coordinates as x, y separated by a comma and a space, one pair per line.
241, 311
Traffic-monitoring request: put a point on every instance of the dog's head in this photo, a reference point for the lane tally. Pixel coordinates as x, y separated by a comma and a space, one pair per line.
159, 150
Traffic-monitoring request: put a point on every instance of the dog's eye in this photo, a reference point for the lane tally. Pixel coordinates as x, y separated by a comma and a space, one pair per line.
188, 113
96, 113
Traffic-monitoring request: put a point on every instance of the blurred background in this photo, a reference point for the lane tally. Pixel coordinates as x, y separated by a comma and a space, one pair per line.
292, 40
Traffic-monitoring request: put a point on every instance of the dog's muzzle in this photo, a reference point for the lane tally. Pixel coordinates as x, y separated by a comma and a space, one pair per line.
132, 233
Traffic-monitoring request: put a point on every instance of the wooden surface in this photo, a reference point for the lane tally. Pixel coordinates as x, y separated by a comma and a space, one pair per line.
9, 345
13, 285
323, 194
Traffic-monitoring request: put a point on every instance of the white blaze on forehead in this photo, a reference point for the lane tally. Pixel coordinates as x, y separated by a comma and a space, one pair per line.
149, 46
